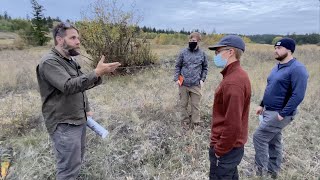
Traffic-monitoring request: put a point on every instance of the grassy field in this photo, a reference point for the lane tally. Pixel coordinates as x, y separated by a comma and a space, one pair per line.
140, 111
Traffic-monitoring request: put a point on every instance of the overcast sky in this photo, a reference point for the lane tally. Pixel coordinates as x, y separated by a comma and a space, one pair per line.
223, 16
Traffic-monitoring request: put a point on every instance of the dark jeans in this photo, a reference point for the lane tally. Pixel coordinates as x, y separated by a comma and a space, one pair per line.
225, 167
69, 147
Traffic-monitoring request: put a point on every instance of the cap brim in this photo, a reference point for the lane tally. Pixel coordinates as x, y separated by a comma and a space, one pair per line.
216, 46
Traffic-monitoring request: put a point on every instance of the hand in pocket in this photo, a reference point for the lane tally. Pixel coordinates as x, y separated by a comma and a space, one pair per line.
280, 118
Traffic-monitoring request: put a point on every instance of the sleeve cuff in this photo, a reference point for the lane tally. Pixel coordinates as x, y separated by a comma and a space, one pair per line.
282, 115
94, 78
261, 104
218, 153
88, 108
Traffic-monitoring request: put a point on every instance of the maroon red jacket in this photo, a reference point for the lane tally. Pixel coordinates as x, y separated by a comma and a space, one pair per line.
231, 110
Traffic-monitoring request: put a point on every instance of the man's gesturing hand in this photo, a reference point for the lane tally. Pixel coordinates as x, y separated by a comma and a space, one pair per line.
104, 68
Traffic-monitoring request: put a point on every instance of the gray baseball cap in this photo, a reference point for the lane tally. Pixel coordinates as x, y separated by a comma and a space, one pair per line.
230, 40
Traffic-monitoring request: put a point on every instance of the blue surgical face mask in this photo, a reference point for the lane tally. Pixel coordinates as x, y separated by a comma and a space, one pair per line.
219, 61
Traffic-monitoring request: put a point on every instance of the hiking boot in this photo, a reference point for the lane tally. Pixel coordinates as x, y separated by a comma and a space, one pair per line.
273, 175
197, 124
262, 173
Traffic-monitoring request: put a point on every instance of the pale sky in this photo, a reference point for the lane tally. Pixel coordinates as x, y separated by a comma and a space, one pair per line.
224, 16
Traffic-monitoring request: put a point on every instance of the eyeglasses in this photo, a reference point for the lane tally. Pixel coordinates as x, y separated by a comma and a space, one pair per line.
219, 51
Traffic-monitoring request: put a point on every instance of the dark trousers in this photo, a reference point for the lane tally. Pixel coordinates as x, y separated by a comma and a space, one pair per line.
225, 167
69, 147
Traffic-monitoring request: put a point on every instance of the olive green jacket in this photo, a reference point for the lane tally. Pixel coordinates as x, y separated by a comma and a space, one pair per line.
62, 89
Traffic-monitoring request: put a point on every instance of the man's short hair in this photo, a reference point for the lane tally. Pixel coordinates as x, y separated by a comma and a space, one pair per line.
60, 30
195, 35
238, 52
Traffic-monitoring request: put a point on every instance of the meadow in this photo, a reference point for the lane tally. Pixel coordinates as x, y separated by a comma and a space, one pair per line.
147, 140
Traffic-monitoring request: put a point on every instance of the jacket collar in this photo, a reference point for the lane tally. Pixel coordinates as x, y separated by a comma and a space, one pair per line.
73, 63
286, 64
230, 68
195, 50
55, 51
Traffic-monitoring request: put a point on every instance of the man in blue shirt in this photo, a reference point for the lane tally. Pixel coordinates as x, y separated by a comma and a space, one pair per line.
286, 87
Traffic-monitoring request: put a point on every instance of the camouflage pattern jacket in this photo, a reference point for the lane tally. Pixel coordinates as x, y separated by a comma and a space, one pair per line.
192, 65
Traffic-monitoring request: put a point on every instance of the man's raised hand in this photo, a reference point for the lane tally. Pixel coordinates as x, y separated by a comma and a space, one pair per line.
104, 68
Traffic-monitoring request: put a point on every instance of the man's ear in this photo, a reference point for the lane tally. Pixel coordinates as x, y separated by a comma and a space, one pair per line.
232, 50
59, 39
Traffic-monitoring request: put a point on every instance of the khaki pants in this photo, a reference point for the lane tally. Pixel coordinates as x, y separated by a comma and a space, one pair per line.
193, 94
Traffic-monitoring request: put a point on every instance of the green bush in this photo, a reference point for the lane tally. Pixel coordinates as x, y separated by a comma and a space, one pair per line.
148, 35
112, 33
276, 39
13, 25
5, 25
171, 39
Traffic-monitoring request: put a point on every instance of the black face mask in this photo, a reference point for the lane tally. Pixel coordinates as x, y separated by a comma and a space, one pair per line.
193, 45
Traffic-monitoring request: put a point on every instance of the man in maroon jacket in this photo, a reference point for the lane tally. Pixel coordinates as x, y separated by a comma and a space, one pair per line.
229, 131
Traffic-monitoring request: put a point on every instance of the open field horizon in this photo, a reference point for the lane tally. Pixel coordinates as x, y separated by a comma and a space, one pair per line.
147, 140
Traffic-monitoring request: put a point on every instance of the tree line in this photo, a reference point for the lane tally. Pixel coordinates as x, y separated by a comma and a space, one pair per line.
312, 38
169, 31
34, 31
9, 24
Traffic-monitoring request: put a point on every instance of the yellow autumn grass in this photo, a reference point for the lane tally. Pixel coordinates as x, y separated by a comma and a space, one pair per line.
146, 139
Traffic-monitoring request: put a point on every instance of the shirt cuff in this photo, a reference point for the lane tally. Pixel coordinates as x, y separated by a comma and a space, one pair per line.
261, 104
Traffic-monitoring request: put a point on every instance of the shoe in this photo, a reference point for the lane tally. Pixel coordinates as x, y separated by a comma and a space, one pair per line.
196, 124
273, 175
261, 173
185, 124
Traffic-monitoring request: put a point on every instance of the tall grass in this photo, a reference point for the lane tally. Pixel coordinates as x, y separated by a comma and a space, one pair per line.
147, 141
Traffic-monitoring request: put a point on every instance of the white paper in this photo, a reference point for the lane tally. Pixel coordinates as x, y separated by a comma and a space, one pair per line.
97, 128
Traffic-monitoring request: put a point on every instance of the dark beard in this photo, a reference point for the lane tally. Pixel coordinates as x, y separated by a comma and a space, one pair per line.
73, 52
69, 50
280, 58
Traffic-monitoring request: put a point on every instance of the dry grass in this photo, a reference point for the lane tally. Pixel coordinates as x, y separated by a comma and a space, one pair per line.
146, 139
17, 69
11, 41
